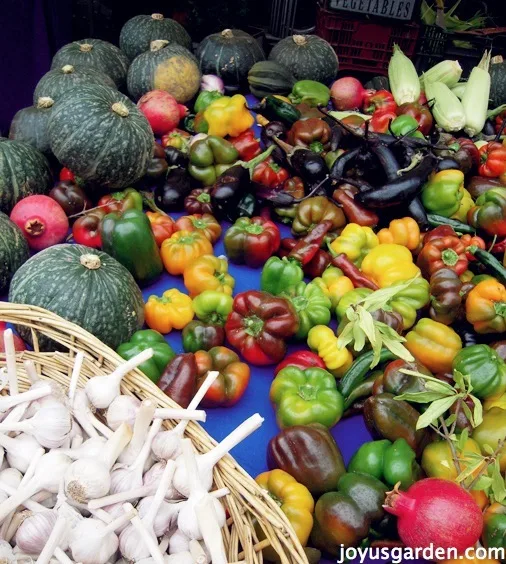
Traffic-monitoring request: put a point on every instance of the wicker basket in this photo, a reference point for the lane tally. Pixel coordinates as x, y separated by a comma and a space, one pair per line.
246, 503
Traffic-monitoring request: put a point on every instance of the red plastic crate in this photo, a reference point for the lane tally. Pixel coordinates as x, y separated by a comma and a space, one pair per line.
361, 44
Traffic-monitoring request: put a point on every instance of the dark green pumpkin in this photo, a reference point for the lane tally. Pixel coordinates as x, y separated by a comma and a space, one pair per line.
13, 251
268, 77
97, 54
230, 55
24, 171
138, 33
378, 83
30, 125
170, 67
57, 81
498, 83
84, 286
101, 135
308, 57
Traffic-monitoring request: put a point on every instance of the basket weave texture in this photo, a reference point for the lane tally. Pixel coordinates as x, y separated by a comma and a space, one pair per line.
246, 504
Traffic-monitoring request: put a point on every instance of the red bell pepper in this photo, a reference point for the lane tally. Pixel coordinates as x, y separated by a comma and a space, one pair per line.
421, 113
472, 241
19, 344
445, 252
259, 325
375, 100
86, 229
177, 138
499, 118
471, 149
381, 119
493, 160
162, 225
439, 232
422, 99
67, 175
295, 187
247, 145
128, 199
270, 174
302, 360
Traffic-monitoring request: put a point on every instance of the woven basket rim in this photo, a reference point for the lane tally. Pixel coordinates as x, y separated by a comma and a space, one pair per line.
246, 503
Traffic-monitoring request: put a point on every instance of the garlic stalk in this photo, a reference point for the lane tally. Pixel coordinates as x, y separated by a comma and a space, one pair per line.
20, 450
140, 432
15, 523
206, 462
57, 396
210, 527
10, 359
89, 478
50, 471
50, 425
76, 371
186, 520
167, 443
81, 412
101, 390
180, 414
198, 553
124, 478
55, 539
123, 409
61, 557
31, 371
8, 402
91, 448
121, 497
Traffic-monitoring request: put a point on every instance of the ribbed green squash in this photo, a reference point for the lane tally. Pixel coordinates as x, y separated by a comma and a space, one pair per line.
13, 251
229, 54
101, 136
84, 286
30, 125
57, 81
165, 66
498, 83
307, 57
23, 171
138, 32
97, 54
378, 83
269, 77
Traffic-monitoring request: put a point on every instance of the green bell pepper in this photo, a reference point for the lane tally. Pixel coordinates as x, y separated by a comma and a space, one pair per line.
352, 297
408, 301
494, 530
210, 157
366, 491
129, 239
306, 396
444, 191
485, 367
146, 339
311, 304
200, 336
404, 125
369, 458
280, 273
213, 307
310, 92
205, 99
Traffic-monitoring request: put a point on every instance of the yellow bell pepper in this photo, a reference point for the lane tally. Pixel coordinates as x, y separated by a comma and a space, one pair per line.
404, 231
228, 116
334, 284
495, 401
437, 459
173, 310
386, 264
322, 340
466, 204
355, 242
294, 499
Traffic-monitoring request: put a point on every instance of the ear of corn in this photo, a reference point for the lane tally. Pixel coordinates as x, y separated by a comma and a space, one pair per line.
459, 89
475, 98
404, 81
447, 108
447, 72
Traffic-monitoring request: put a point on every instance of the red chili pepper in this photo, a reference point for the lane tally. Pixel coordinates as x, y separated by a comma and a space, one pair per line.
270, 174
499, 248
354, 212
358, 278
302, 360
307, 247
246, 144
380, 121
315, 267
472, 241
66, 174
86, 229
375, 100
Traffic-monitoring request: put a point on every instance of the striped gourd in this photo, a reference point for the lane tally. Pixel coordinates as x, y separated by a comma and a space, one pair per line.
30, 125
84, 286
13, 251
101, 136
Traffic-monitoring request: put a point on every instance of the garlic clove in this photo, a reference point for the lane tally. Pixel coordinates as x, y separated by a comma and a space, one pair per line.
87, 478
123, 409
34, 531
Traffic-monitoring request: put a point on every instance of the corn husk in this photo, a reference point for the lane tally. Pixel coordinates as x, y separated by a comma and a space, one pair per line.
404, 81
447, 109
476, 95
448, 72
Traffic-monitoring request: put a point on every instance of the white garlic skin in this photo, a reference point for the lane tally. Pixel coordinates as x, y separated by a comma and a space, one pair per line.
187, 519
87, 544
124, 479
131, 546
123, 409
179, 542
166, 517
21, 458
52, 425
87, 479
34, 531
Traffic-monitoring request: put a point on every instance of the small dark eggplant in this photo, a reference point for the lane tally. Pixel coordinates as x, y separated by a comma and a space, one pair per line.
418, 213
446, 164
171, 195
175, 157
342, 163
274, 129
228, 191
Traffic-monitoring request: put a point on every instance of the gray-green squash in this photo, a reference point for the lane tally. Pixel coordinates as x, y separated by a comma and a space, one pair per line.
30, 125
24, 171
138, 32
84, 286
498, 82
101, 135
268, 77
13, 251
97, 54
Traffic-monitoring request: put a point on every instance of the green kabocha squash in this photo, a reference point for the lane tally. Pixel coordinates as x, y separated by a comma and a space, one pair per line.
84, 286
24, 171
268, 77
13, 251
97, 54
230, 55
57, 81
307, 57
378, 83
170, 67
101, 135
138, 33
30, 125
498, 82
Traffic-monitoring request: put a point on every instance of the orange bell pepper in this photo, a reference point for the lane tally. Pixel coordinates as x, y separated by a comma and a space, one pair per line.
208, 273
405, 232
162, 225
434, 345
473, 559
173, 310
204, 223
182, 248
486, 307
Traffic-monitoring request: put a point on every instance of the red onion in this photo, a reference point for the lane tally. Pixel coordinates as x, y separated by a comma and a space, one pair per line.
436, 512
347, 93
213, 83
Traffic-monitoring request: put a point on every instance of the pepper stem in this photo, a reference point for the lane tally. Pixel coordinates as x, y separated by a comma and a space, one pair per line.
253, 325
500, 308
450, 257
250, 165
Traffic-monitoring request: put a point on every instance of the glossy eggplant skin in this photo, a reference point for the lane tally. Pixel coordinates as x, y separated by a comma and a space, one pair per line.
170, 196
228, 191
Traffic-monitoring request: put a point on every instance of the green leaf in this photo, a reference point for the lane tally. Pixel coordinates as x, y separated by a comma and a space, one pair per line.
461, 443
421, 397
488, 449
440, 387
449, 421
477, 412
483, 483
466, 410
459, 380
435, 410
427, 378
367, 323
498, 487
398, 349
380, 298
346, 337
469, 471
358, 336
